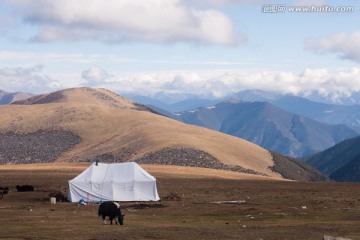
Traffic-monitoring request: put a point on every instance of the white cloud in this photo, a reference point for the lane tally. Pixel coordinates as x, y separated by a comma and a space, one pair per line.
27, 80
113, 21
95, 75
216, 83
222, 83
345, 45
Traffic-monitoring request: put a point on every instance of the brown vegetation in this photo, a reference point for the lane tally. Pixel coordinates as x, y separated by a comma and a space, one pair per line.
272, 209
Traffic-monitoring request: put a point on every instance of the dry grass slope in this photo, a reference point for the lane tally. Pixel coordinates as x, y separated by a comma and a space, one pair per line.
110, 124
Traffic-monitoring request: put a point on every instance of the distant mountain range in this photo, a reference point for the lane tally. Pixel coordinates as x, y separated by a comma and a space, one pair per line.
169, 98
6, 98
180, 106
269, 126
322, 112
340, 162
291, 125
329, 113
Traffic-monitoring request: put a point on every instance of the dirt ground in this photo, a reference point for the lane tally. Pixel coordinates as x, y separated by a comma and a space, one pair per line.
267, 210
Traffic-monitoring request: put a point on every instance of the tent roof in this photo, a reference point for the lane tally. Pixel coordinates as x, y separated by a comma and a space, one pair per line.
115, 172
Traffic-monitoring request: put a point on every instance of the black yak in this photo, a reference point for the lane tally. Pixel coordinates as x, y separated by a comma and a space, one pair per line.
25, 188
111, 210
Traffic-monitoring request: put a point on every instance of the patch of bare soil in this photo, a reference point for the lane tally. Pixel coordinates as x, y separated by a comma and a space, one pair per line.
142, 205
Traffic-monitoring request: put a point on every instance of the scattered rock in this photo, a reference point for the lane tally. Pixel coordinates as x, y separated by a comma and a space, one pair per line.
190, 157
172, 196
43, 146
335, 238
103, 158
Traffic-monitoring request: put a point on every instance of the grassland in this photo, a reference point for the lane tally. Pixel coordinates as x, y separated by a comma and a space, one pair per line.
272, 209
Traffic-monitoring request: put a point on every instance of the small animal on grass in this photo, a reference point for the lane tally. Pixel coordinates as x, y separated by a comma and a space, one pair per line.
25, 188
111, 210
4, 190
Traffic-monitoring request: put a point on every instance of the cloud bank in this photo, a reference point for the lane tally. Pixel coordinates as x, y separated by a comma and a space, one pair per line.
332, 85
29, 80
113, 21
345, 45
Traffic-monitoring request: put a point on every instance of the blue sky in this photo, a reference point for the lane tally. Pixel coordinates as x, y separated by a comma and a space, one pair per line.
204, 47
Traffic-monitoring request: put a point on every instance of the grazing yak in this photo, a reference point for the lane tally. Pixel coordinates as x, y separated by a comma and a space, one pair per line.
25, 188
111, 210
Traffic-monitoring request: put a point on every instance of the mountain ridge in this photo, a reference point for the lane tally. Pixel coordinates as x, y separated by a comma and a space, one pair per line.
349, 172
269, 126
332, 159
322, 111
7, 98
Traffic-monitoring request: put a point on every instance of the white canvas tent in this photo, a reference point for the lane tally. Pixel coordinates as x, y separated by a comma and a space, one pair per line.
113, 182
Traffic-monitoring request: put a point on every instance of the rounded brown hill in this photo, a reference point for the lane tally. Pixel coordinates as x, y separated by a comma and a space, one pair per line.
83, 95
106, 125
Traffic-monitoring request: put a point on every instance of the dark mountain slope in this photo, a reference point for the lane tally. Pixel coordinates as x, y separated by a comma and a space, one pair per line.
335, 157
292, 168
270, 127
350, 172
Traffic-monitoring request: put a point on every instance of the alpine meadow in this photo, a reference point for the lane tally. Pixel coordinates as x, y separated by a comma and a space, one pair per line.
178, 119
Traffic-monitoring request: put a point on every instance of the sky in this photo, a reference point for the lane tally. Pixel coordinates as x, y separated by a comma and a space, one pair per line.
208, 48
